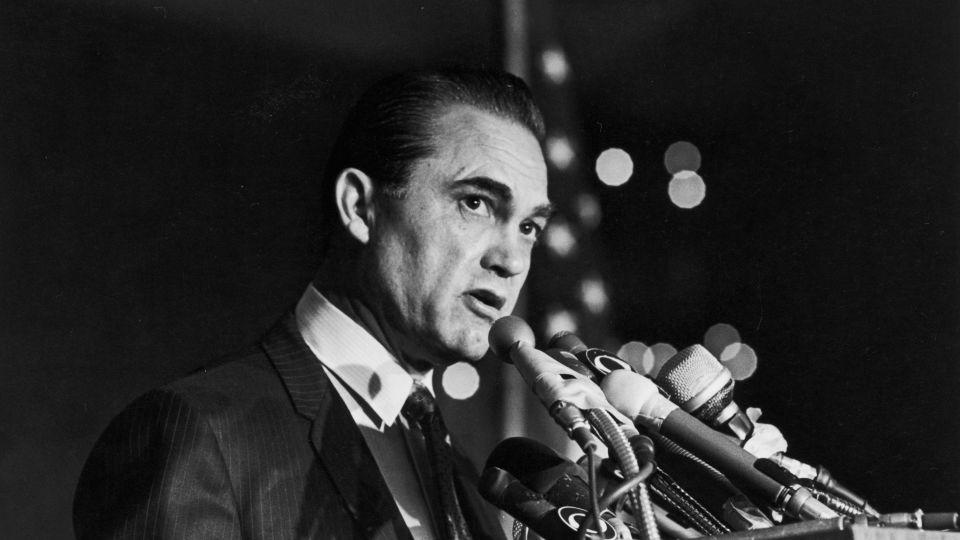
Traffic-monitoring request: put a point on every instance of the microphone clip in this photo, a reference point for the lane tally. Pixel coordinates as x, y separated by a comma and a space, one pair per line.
571, 419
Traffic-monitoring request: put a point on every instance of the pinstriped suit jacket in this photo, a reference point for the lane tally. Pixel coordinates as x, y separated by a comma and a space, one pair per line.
260, 446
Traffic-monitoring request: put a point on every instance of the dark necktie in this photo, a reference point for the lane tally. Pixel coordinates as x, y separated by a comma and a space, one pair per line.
421, 411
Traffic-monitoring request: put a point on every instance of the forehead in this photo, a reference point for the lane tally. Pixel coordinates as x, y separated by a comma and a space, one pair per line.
468, 142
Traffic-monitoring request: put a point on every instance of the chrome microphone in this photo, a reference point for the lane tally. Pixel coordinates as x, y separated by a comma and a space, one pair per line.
703, 387
638, 398
562, 390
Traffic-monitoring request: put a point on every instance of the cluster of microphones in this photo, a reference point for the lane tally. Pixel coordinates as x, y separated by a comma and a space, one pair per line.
663, 458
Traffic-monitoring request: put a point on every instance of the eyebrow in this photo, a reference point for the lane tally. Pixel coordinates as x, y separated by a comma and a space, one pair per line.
502, 192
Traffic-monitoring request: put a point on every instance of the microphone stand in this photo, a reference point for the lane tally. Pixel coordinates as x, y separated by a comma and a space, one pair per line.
634, 486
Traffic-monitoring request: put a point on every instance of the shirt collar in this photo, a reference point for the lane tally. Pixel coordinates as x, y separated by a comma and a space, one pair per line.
355, 357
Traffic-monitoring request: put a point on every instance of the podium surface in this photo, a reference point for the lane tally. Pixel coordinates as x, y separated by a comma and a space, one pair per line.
836, 529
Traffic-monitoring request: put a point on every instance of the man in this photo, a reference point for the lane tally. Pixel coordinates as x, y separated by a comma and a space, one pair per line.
436, 191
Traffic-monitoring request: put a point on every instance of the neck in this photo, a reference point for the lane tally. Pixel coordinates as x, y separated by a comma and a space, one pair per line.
339, 281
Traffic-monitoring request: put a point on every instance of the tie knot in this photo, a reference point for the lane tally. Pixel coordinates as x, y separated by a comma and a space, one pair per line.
419, 405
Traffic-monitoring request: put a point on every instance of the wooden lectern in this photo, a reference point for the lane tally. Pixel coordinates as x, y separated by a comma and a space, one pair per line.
836, 529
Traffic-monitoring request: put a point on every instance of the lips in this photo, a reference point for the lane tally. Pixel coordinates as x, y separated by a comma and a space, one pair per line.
485, 302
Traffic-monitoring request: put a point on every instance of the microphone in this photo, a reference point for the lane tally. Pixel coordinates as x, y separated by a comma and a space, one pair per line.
638, 449
703, 387
571, 361
562, 390
531, 508
561, 481
918, 519
568, 349
717, 492
638, 398
599, 361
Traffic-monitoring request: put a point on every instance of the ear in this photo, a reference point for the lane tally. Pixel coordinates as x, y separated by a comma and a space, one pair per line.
353, 190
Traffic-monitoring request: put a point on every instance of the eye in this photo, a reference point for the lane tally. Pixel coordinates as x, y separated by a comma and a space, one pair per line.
476, 205
531, 229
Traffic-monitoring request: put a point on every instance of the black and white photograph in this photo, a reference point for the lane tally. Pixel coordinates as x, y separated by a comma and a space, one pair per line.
480, 269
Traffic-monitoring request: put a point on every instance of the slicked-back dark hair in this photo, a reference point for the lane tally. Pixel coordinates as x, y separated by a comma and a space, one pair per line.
393, 124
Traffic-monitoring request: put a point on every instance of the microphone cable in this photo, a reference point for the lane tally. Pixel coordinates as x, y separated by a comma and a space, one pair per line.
630, 469
633, 487
677, 499
594, 515
670, 492
643, 507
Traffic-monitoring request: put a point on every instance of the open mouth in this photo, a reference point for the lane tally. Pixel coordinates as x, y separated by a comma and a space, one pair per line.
488, 299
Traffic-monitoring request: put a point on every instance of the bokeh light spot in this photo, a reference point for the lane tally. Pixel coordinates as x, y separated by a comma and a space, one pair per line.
558, 320
555, 65
681, 156
614, 167
588, 210
718, 337
559, 152
658, 355
634, 353
741, 364
559, 238
461, 380
593, 294
687, 189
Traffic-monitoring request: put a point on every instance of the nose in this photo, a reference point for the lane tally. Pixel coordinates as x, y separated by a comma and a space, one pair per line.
507, 256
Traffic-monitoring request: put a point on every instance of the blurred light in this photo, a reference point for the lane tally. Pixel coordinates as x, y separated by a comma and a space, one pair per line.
634, 353
614, 167
681, 156
593, 295
719, 336
461, 380
658, 355
687, 189
559, 152
555, 65
559, 238
588, 210
558, 320
742, 363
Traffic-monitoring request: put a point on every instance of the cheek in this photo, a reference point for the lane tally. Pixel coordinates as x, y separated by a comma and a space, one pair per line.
447, 263
516, 283
393, 269
450, 265
430, 261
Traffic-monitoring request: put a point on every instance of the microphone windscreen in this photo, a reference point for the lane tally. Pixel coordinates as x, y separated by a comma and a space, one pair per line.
561, 481
637, 397
532, 462
505, 332
689, 372
572, 362
567, 341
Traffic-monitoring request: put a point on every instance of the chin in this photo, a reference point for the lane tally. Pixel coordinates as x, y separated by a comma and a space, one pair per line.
469, 345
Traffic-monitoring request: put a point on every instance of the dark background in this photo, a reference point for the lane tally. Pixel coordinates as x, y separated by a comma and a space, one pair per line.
159, 205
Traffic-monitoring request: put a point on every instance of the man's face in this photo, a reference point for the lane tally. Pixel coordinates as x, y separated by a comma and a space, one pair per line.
449, 258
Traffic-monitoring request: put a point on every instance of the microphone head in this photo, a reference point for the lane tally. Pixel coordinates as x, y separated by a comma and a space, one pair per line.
697, 380
507, 331
637, 397
569, 360
567, 341
536, 465
504, 491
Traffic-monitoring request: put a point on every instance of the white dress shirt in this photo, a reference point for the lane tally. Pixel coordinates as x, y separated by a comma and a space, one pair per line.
374, 387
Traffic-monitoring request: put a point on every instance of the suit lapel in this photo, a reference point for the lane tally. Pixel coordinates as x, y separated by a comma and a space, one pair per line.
336, 440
